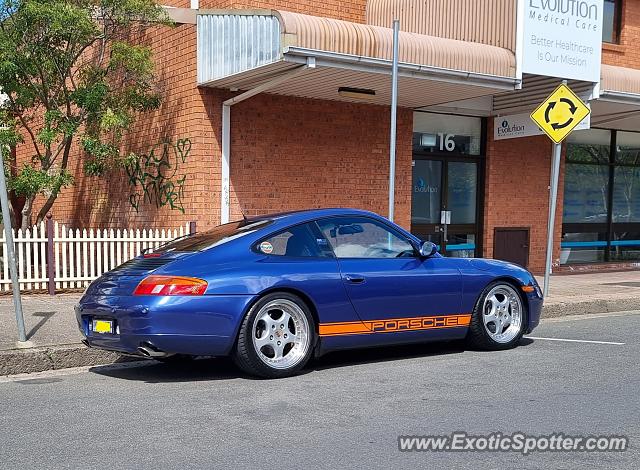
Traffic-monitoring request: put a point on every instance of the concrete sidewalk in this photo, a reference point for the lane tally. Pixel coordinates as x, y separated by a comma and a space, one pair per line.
580, 294
54, 339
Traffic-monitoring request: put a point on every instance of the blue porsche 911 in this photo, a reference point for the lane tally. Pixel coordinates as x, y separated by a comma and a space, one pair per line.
272, 291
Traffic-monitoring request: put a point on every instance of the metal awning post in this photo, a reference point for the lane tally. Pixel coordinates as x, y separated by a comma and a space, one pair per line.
394, 114
10, 254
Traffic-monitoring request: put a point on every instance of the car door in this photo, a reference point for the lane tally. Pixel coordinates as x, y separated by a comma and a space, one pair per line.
385, 278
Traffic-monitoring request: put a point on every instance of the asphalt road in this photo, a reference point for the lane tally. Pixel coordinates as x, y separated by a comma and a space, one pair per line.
345, 412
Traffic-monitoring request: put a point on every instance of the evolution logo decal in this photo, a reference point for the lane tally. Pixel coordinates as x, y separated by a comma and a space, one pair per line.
422, 187
394, 325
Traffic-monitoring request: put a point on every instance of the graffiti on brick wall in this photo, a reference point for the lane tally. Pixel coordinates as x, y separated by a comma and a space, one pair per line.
154, 175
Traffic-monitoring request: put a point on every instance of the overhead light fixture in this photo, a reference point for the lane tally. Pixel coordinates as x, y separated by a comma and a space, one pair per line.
357, 93
428, 140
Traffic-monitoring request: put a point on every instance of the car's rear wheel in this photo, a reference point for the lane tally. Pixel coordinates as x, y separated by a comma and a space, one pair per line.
276, 336
498, 319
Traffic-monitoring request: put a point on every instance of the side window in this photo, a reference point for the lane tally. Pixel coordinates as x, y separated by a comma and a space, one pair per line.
360, 237
297, 241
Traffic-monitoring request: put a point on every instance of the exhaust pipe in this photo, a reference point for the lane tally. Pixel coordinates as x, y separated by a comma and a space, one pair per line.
149, 350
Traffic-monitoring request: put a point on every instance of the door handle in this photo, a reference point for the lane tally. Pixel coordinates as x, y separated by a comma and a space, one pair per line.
354, 278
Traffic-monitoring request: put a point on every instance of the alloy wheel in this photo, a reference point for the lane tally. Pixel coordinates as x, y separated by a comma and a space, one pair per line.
281, 334
502, 313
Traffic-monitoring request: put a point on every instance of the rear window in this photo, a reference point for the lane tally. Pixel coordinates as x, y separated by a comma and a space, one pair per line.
217, 236
298, 241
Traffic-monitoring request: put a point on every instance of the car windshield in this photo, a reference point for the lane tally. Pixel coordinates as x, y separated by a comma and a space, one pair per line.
214, 237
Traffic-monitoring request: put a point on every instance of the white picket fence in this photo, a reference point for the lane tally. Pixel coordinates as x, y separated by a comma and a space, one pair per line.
80, 256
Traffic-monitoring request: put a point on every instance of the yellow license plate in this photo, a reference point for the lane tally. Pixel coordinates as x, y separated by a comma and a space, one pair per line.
102, 326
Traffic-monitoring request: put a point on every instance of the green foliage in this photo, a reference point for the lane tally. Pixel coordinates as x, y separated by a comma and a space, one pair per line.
9, 135
74, 69
101, 156
31, 181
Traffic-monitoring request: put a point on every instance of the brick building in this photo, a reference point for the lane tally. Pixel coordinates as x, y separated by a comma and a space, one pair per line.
317, 133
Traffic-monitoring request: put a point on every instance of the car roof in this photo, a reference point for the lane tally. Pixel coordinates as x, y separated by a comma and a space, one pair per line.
310, 214
283, 220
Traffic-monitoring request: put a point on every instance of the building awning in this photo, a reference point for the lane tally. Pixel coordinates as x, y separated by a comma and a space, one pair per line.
618, 106
487, 21
244, 49
621, 83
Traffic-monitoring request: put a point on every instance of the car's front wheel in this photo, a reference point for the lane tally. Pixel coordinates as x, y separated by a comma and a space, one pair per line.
276, 336
498, 319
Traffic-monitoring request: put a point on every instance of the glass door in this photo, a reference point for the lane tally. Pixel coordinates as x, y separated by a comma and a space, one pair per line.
426, 202
447, 157
444, 204
461, 201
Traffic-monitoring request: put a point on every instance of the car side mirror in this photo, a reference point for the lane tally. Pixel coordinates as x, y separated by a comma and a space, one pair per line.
428, 249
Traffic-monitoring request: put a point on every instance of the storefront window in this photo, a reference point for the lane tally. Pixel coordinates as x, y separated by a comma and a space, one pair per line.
586, 180
601, 222
625, 246
625, 243
626, 195
628, 148
589, 146
586, 247
586, 197
586, 189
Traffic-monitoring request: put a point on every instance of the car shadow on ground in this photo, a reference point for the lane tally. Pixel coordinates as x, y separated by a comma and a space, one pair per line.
207, 369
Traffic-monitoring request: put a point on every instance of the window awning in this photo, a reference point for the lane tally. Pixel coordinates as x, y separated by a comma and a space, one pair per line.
243, 49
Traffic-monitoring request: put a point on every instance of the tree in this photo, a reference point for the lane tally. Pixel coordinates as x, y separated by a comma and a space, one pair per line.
72, 71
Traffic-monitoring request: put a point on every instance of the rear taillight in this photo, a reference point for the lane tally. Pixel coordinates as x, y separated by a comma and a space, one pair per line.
171, 285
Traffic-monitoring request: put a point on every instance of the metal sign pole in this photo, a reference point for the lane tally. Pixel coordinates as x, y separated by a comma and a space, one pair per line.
394, 112
553, 198
10, 254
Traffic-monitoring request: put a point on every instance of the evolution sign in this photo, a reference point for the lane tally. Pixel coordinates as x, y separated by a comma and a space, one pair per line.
512, 126
562, 38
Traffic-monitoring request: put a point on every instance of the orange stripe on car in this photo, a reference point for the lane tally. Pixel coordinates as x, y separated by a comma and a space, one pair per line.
389, 325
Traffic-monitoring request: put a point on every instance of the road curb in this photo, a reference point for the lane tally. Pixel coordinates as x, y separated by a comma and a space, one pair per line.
587, 307
39, 359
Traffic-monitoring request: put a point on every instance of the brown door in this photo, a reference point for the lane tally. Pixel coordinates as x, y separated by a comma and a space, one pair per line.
512, 245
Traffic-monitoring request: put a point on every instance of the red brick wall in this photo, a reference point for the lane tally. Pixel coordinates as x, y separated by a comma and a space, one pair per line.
291, 153
176, 3
353, 10
627, 53
517, 193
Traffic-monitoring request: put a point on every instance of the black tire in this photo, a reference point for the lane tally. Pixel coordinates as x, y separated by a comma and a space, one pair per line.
245, 355
478, 337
